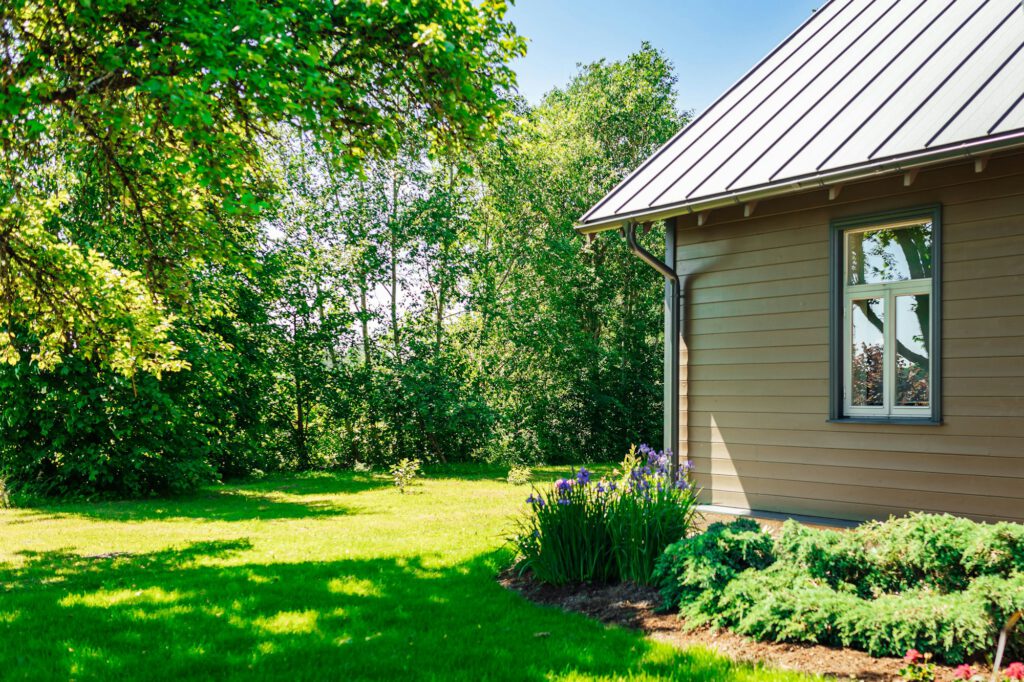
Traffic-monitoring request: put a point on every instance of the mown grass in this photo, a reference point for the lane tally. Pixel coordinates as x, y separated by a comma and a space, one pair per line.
320, 577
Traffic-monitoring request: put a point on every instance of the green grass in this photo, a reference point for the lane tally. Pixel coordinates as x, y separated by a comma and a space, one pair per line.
322, 577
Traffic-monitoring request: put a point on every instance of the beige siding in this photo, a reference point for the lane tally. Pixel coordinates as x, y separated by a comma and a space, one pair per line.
755, 388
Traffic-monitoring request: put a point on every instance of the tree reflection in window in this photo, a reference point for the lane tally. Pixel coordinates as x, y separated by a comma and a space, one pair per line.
868, 353
912, 352
888, 271
890, 255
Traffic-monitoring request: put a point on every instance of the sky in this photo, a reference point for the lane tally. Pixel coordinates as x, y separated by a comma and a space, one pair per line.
711, 42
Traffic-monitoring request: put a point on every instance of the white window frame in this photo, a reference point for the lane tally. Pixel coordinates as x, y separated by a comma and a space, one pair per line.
887, 292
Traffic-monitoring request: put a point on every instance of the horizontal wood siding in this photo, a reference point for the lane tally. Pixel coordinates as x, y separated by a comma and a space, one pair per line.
755, 386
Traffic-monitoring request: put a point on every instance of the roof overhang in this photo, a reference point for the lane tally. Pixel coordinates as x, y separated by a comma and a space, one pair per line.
969, 149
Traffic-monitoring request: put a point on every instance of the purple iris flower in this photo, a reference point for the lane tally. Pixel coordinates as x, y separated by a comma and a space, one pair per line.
563, 486
583, 476
564, 500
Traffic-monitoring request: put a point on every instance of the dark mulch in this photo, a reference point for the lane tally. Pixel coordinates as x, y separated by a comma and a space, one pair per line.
633, 607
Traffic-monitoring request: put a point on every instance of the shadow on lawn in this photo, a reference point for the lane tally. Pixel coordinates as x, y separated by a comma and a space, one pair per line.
183, 613
272, 498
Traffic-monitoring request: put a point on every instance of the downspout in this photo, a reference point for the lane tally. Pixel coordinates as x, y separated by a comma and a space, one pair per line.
672, 329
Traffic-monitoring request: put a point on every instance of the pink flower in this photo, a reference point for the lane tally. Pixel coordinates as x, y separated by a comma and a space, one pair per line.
1015, 671
913, 656
963, 672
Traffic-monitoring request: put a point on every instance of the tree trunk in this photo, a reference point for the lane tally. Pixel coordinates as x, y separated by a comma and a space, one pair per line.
439, 321
365, 324
300, 425
300, 405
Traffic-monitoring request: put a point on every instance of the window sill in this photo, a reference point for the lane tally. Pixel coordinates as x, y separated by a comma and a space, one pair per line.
909, 421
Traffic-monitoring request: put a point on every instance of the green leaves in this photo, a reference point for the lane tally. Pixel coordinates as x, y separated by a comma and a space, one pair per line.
152, 118
919, 582
573, 332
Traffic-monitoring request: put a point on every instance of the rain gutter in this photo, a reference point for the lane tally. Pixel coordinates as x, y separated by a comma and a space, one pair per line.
672, 331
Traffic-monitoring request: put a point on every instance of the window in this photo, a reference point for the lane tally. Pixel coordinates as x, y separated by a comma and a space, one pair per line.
885, 317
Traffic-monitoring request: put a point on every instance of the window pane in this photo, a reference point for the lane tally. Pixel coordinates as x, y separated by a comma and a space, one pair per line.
868, 320
913, 325
889, 254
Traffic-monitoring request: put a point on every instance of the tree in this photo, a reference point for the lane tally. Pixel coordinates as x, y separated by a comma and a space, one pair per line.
573, 331
132, 137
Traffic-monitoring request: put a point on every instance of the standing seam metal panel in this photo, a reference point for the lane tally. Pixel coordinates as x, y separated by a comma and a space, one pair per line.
668, 153
953, 74
718, 126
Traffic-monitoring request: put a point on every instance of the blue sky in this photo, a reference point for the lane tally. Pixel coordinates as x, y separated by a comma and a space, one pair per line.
712, 43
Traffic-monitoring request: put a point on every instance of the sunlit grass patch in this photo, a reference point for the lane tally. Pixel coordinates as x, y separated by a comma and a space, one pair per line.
302, 578
353, 586
289, 622
105, 598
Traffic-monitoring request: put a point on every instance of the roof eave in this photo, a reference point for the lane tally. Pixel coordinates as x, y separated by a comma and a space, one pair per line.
891, 165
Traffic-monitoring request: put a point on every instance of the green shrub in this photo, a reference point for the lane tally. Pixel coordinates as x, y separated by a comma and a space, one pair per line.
519, 474
404, 473
937, 584
582, 530
694, 570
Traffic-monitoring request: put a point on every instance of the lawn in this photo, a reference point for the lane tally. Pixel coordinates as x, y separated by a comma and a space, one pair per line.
317, 577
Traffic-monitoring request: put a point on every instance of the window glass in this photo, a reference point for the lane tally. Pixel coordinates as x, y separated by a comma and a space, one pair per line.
868, 357
912, 350
890, 254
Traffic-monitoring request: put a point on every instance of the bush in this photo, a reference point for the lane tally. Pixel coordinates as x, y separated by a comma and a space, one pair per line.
519, 475
404, 473
80, 431
610, 530
696, 569
938, 584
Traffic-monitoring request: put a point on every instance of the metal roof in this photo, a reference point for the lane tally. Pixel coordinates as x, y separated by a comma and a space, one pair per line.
863, 86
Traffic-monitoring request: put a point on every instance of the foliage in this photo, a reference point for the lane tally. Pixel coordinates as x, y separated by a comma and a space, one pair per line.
570, 333
404, 473
327, 295
519, 475
694, 570
319, 583
937, 584
81, 429
583, 530
143, 124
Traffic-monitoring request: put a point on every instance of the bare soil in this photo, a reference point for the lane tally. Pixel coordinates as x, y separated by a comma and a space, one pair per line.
634, 607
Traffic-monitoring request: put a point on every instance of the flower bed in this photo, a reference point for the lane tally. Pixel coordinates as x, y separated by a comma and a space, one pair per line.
931, 583
607, 530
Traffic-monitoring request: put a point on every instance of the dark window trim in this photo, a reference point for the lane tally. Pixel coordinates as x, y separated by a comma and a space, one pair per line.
835, 321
